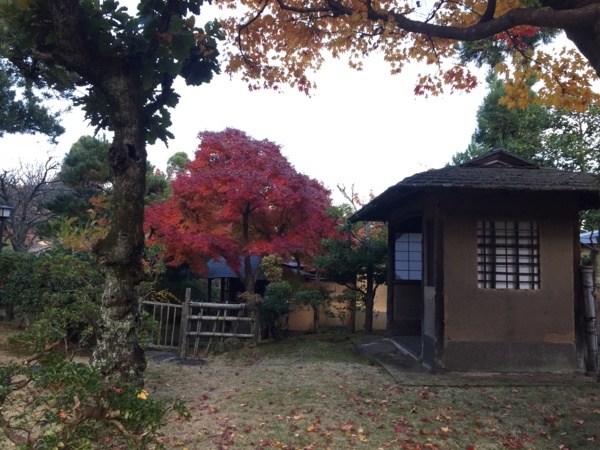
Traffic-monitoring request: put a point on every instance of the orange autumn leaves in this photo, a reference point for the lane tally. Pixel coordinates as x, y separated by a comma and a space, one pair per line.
282, 42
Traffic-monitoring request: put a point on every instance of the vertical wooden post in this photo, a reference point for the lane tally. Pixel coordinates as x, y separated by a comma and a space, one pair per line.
183, 325
390, 323
256, 326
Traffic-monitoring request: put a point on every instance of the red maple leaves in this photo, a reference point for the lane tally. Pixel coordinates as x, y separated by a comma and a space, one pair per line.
516, 37
239, 197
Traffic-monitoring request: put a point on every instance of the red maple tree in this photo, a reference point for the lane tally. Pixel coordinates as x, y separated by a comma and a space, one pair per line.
238, 198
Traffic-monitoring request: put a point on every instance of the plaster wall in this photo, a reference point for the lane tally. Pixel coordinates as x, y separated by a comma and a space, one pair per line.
517, 323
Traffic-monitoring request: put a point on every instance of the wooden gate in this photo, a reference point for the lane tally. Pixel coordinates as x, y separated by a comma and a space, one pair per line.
206, 322
168, 318
189, 326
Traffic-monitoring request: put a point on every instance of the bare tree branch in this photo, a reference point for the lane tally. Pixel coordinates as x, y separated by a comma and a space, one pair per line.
27, 189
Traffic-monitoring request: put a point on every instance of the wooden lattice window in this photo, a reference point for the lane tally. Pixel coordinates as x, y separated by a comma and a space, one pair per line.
508, 255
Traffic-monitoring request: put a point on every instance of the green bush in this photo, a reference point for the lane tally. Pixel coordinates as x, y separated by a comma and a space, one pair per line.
63, 289
274, 306
9, 262
54, 404
48, 402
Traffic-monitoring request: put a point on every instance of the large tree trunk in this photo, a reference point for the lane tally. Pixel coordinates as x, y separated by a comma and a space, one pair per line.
118, 354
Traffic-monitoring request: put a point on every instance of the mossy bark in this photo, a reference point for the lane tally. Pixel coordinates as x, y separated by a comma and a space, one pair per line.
118, 354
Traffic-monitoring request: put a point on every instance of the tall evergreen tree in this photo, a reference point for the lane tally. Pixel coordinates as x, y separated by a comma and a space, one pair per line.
22, 109
518, 130
550, 137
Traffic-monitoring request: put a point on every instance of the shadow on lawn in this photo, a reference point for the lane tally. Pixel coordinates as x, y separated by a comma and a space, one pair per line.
406, 370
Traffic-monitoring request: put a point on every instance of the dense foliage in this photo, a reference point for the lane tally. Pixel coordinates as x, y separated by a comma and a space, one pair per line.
48, 401
63, 290
238, 198
60, 404
551, 137
356, 258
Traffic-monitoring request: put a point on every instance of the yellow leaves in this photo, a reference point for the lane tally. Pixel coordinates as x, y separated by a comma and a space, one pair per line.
517, 95
563, 80
142, 395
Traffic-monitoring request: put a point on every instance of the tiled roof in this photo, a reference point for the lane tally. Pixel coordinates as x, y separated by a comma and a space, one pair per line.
496, 170
589, 237
220, 269
505, 178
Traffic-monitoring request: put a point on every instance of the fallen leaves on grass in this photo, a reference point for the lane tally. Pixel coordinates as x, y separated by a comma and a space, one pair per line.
346, 404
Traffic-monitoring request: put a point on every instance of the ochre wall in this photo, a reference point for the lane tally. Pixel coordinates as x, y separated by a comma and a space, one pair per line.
301, 320
529, 321
379, 311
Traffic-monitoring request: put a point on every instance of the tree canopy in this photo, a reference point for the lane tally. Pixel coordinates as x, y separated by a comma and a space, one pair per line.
356, 258
21, 109
518, 130
86, 172
281, 41
547, 136
121, 69
239, 197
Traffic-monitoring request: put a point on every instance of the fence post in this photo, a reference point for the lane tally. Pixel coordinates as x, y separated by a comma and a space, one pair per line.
256, 329
183, 325
590, 319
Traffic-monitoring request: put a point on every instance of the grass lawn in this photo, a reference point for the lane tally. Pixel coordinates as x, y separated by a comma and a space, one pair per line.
314, 392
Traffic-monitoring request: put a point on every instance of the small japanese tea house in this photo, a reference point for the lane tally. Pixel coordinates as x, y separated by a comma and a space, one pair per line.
484, 264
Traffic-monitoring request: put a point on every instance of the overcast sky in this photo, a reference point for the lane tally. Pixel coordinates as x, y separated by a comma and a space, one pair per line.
363, 128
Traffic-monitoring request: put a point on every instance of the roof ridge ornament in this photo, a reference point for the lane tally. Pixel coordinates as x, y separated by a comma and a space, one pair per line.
499, 157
